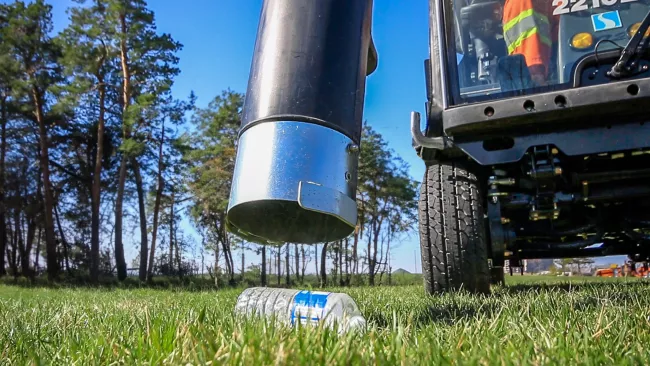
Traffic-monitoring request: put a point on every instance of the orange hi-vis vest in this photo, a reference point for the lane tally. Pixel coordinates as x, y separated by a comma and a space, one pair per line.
527, 30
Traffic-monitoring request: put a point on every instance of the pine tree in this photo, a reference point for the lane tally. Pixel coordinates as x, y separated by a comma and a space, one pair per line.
9, 71
386, 197
169, 154
211, 156
26, 37
147, 63
89, 59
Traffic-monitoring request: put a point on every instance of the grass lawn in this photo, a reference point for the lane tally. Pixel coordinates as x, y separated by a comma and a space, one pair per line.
531, 321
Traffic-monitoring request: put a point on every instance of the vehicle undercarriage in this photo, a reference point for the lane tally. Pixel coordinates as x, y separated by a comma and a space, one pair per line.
555, 206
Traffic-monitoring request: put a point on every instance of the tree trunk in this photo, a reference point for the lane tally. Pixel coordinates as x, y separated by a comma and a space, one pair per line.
375, 239
171, 235
3, 209
334, 249
316, 263
304, 264
144, 250
323, 265
347, 262
243, 265
371, 264
26, 253
170, 256
277, 259
25, 245
390, 234
8, 254
297, 260
119, 246
335, 263
371, 280
225, 245
341, 277
38, 250
50, 243
179, 261
96, 187
156, 206
287, 265
21, 248
63, 241
216, 265
230, 264
385, 256
355, 252
13, 260
126, 101
263, 265
8, 250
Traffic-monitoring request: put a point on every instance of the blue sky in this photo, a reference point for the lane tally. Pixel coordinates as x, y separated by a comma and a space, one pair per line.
218, 38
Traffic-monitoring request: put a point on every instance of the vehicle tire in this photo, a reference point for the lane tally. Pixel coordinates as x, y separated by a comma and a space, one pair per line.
452, 230
497, 276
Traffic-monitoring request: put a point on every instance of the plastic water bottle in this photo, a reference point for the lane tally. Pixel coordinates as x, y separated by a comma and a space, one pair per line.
336, 310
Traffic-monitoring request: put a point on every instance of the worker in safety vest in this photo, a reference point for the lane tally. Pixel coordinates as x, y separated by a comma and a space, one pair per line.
529, 29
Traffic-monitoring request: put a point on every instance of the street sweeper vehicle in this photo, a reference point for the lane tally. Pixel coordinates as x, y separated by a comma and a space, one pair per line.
535, 132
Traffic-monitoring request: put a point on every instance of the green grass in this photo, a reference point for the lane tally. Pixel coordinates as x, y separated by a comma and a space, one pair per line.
546, 320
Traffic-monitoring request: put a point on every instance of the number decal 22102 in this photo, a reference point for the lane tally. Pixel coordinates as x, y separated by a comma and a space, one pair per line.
573, 6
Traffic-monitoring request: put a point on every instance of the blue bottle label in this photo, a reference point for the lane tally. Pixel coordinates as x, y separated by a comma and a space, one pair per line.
309, 306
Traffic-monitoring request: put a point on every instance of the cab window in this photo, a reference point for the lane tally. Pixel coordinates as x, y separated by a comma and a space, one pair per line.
515, 47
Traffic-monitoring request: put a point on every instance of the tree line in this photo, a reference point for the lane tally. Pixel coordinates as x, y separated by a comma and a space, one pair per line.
93, 140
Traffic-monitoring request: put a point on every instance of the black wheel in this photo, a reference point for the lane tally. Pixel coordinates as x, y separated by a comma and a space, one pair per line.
497, 276
452, 231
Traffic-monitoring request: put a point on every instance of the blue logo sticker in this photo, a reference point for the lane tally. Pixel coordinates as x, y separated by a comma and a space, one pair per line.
606, 21
309, 306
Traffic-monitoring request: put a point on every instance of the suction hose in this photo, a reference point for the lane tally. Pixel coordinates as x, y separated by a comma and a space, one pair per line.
295, 175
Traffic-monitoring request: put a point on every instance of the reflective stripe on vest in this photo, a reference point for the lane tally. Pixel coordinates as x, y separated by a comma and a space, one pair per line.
525, 25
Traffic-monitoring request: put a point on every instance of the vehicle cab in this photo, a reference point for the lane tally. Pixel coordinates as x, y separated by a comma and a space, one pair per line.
476, 86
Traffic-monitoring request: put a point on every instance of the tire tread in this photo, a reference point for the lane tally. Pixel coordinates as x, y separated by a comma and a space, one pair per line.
452, 232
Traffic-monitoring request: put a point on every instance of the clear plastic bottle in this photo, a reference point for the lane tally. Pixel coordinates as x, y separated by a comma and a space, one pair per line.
336, 310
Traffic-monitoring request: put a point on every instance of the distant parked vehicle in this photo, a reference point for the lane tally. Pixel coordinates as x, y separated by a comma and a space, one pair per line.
628, 269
